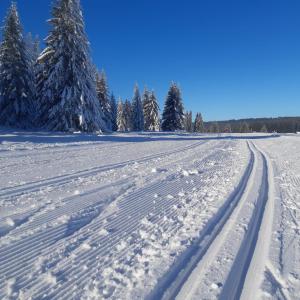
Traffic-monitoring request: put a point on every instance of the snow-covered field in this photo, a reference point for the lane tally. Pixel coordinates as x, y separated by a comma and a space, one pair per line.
134, 216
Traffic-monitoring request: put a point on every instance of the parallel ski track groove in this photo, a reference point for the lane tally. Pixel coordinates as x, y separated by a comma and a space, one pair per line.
54, 217
170, 284
234, 283
43, 238
63, 179
84, 276
54, 214
114, 238
18, 229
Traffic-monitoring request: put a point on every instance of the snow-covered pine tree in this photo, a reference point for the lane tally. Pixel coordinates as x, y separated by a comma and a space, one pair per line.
102, 93
173, 115
198, 124
188, 121
114, 112
16, 78
66, 83
121, 120
128, 115
151, 113
145, 101
137, 111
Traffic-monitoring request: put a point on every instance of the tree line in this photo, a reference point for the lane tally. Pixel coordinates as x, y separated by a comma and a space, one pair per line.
280, 125
59, 89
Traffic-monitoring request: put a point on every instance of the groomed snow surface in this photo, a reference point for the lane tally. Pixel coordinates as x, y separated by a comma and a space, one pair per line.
149, 216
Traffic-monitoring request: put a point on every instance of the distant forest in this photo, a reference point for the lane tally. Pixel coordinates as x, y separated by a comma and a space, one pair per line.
280, 124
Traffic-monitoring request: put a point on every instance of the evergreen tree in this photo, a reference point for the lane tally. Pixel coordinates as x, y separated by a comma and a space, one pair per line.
121, 120
137, 111
173, 115
66, 82
151, 113
114, 112
145, 101
188, 121
102, 93
16, 78
198, 124
128, 115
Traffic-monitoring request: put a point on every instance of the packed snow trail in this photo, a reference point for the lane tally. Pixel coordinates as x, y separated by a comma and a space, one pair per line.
282, 274
235, 281
138, 216
206, 257
170, 285
69, 233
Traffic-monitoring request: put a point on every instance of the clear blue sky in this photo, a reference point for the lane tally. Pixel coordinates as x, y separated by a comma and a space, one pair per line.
232, 58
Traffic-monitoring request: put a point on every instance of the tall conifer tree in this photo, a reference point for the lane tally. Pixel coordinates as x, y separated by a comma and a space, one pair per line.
173, 114
66, 81
151, 113
103, 97
121, 120
199, 125
114, 112
128, 114
188, 121
137, 111
16, 77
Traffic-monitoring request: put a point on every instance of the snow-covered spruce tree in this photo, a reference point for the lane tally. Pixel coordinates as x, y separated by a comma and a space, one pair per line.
121, 120
173, 115
137, 111
114, 112
16, 78
128, 115
66, 82
188, 121
198, 124
151, 113
103, 97
145, 102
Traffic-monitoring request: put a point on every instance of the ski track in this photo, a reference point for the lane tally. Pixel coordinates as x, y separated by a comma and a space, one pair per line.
36, 186
184, 218
220, 263
282, 275
46, 245
129, 179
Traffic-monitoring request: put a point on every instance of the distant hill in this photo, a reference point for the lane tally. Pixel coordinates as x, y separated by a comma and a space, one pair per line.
280, 124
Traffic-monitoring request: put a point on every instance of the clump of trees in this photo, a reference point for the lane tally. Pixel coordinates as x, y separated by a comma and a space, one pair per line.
60, 89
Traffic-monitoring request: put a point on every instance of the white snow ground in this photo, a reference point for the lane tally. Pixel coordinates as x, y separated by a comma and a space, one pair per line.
149, 216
